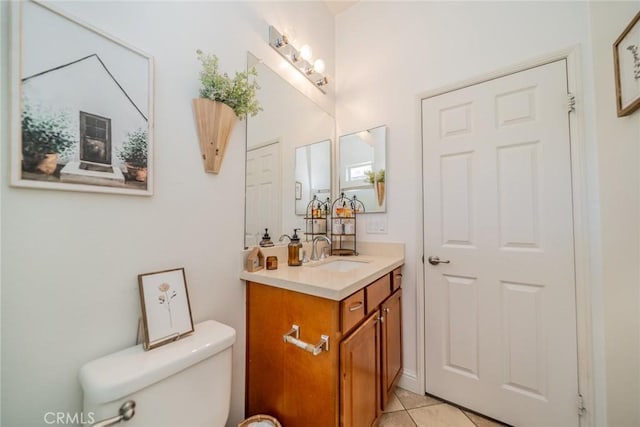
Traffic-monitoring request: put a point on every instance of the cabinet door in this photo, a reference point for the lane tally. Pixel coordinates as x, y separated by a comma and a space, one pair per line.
391, 344
360, 375
283, 380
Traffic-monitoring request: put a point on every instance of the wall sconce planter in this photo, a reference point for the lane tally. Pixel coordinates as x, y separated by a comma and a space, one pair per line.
215, 122
380, 192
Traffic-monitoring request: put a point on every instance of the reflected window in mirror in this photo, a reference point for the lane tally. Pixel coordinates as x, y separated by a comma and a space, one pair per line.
362, 167
357, 173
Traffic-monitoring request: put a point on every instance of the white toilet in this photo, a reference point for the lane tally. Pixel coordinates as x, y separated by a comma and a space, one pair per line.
186, 383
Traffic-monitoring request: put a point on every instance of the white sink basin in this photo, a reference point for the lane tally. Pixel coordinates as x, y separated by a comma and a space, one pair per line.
341, 265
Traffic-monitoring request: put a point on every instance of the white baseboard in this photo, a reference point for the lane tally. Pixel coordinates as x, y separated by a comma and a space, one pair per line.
409, 381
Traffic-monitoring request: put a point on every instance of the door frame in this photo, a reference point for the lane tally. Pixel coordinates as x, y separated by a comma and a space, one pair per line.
584, 278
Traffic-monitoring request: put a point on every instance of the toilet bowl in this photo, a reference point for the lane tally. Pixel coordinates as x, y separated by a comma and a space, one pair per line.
185, 383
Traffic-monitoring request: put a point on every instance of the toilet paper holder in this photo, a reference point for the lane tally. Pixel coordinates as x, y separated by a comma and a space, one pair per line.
293, 337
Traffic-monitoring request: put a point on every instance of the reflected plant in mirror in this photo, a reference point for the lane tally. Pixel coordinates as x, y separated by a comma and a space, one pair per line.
362, 167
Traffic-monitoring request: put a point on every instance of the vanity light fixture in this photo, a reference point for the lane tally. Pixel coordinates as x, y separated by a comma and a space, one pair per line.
301, 58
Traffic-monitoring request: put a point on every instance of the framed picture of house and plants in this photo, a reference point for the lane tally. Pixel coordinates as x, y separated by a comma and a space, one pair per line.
81, 106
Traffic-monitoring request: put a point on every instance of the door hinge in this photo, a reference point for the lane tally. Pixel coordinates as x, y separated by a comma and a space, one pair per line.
423, 258
571, 102
581, 409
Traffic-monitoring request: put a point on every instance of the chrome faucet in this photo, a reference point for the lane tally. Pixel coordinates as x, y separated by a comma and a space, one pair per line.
314, 252
283, 236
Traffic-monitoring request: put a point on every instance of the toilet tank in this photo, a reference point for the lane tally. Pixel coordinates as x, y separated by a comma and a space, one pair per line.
185, 383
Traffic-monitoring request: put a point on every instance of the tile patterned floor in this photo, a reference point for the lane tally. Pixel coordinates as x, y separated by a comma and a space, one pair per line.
407, 409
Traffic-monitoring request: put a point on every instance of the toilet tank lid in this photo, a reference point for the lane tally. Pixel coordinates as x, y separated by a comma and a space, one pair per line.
120, 374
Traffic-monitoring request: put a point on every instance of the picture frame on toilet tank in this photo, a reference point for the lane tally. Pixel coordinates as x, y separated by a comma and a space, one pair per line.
166, 311
81, 111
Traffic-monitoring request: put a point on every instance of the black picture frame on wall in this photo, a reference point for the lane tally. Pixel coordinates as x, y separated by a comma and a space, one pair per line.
626, 55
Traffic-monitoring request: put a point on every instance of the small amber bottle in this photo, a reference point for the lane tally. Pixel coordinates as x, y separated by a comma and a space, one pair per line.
295, 250
272, 263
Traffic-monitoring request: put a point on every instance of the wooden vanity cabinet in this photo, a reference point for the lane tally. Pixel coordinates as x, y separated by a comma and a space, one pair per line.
346, 386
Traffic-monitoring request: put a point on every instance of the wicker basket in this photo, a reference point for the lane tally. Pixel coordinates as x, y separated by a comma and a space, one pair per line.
257, 418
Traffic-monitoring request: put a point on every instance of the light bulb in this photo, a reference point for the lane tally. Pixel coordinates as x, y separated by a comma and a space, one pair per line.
305, 52
290, 34
319, 66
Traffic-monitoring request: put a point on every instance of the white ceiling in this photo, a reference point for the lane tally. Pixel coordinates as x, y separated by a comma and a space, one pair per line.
337, 6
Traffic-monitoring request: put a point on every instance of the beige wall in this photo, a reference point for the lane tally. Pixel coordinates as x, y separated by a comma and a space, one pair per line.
618, 142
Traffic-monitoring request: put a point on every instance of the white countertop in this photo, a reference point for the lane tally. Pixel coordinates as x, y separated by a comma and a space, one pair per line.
335, 285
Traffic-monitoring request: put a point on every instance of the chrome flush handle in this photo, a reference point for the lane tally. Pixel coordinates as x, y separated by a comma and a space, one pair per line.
125, 413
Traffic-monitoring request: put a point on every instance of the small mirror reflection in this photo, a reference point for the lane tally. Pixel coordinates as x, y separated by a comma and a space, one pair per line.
362, 167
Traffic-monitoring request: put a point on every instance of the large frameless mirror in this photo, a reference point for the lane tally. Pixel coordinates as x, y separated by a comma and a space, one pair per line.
362, 167
291, 126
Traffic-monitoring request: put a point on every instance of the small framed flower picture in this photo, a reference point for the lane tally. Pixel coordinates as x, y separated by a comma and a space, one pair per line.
298, 190
626, 55
166, 312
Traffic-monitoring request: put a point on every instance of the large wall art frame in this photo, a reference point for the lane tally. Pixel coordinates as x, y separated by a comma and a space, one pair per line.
81, 106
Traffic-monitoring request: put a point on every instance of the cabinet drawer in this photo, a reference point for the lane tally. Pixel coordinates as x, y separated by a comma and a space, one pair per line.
352, 310
377, 292
396, 279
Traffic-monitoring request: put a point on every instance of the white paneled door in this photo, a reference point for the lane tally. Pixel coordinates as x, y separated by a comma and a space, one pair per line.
263, 193
500, 306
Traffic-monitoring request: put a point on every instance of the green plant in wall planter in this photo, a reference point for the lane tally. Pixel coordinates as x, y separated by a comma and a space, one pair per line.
239, 93
134, 154
223, 99
45, 137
